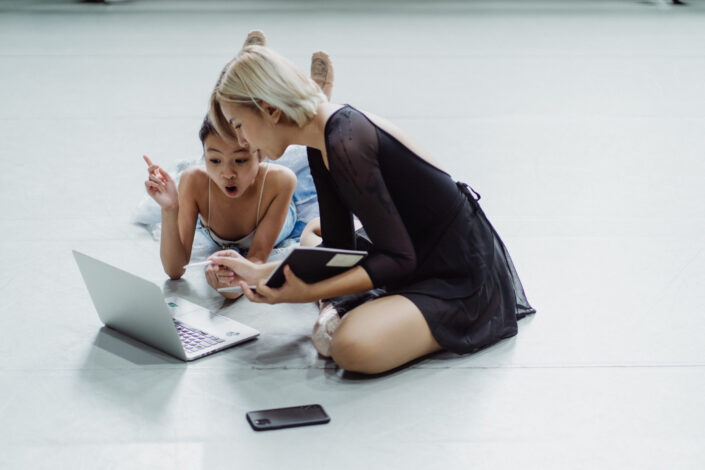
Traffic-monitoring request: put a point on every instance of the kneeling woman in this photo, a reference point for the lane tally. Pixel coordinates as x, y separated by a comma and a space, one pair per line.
437, 277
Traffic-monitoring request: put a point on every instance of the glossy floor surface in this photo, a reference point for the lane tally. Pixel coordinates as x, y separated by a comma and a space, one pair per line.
580, 123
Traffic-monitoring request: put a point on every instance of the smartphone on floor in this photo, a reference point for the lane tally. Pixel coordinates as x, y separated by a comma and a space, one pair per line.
278, 418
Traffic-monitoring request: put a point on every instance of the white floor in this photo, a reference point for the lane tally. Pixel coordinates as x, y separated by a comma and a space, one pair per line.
580, 123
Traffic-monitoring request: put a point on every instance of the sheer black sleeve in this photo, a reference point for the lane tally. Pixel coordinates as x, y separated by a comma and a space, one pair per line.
337, 226
353, 156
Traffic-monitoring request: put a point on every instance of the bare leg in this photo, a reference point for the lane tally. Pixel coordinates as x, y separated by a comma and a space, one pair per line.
322, 72
311, 236
255, 38
380, 335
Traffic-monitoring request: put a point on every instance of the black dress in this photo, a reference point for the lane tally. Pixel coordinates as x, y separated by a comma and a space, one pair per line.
427, 237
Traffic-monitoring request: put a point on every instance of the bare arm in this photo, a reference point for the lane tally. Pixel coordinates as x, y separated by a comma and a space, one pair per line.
351, 281
281, 183
179, 212
294, 290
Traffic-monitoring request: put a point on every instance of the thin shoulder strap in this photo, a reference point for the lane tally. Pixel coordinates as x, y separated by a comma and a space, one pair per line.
209, 202
261, 192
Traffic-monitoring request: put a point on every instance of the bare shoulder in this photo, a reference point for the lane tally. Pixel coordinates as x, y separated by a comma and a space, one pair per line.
391, 129
280, 177
194, 180
280, 184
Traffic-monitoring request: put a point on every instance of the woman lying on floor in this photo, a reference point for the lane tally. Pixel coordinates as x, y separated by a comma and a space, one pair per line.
437, 276
240, 201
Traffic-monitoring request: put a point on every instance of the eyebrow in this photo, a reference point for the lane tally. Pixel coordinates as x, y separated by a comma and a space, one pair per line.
211, 149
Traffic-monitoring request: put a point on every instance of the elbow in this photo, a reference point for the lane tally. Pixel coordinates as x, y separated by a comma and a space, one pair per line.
392, 270
174, 274
407, 265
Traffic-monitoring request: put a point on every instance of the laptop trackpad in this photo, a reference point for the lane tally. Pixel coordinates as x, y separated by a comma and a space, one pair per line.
219, 325
203, 319
179, 307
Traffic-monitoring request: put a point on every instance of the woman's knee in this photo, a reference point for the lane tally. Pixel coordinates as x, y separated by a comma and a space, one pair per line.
354, 354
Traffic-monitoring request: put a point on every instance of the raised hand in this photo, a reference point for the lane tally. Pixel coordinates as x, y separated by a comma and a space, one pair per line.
161, 186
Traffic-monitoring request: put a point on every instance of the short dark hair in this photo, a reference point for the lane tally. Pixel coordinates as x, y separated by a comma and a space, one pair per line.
207, 128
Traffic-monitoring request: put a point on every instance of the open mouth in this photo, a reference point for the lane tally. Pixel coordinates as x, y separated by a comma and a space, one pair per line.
231, 190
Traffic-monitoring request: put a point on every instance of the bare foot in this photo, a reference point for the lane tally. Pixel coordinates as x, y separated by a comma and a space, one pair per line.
322, 72
255, 38
328, 321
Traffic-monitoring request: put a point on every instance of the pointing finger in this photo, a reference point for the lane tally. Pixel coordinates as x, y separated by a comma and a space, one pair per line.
164, 174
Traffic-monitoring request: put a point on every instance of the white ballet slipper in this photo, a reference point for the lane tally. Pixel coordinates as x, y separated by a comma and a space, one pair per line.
323, 329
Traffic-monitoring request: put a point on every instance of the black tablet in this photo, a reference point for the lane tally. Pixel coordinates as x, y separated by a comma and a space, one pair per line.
313, 264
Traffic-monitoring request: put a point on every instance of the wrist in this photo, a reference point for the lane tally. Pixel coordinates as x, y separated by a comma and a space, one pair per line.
315, 292
264, 270
170, 211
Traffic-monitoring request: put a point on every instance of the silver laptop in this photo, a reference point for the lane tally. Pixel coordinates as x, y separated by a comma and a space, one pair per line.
137, 308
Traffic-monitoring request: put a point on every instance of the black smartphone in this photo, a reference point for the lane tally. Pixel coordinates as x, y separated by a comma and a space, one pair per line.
278, 418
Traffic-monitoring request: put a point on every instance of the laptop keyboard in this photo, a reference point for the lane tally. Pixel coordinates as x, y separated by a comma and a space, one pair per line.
195, 340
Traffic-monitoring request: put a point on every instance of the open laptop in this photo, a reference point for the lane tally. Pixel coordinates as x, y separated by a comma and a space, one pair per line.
137, 308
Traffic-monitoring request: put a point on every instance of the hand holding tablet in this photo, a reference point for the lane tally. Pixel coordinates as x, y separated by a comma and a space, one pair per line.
313, 264
310, 264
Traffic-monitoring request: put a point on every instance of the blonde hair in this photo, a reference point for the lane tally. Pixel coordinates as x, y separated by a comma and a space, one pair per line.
259, 74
